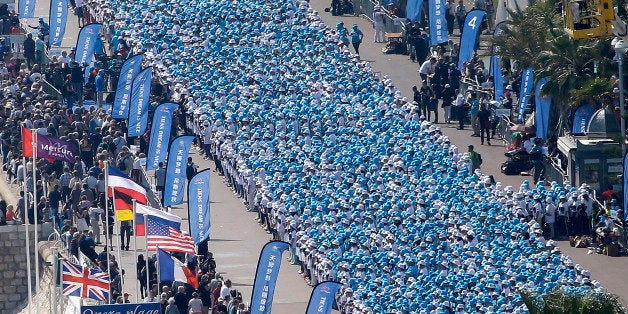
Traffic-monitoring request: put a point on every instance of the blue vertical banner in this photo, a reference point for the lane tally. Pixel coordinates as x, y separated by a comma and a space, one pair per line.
438, 23
322, 298
581, 118
26, 9
470, 32
266, 276
160, 135
198, 206
496, 68
130, 68
58, 19
413, 10
138, 107
85, 43
175, 169
542, 110
625, 187
527, 83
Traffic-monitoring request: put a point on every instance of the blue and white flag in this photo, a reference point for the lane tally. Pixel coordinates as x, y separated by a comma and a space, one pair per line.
85, 43
130, 68
140, 97
175, 170
26, 9
542, 112
581, 118
438, 23
198, 206
160, 135
323, 297
625, 190
413, 10
58, 19
527, 84
496, 68
266, 276
472, 23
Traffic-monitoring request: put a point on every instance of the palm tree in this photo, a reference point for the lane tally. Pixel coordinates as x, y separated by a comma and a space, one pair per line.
579, 70
558, 301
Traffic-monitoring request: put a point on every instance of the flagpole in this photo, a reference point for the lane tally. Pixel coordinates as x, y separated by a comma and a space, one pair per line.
28, 244
108, 239
53, 291
158, 269
113, 194
36, 216
137, 288
146, 242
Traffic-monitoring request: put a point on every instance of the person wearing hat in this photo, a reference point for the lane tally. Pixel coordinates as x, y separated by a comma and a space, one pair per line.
536, 156
449, 95
561, 217
475, 157
378, 23
356, 38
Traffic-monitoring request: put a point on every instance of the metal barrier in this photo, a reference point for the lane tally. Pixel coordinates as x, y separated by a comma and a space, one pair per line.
51, 90
365, 9
553, 171
153, 199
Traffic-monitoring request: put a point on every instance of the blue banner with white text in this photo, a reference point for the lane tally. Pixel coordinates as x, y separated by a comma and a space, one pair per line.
129, 308
58, 19
26, 9
496, 68
130, 68
542, 110
140, 97
176, 169
581, 119
625, 187
527, 84
266, 276
198, 206
160, 135
472, 23
438, 23
323, 297
413, 10
85, 43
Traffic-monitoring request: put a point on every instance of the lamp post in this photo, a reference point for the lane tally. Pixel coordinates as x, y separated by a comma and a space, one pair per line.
620, 50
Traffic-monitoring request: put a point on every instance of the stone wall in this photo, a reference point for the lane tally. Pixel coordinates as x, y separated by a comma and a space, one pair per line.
13, 284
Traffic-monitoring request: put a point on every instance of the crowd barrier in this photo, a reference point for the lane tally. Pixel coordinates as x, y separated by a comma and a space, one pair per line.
365, 8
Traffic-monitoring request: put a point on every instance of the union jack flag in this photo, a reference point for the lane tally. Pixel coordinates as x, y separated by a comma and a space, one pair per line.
85, 282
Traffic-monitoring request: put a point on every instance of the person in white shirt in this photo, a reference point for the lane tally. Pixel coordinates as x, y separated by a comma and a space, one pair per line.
378, 24
226, 289
550, 216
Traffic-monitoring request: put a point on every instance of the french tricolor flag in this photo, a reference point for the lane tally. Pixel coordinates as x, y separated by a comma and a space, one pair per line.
171, 269
156, 215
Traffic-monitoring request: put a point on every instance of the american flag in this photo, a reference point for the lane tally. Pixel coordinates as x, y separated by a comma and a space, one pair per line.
85, 282
167, 238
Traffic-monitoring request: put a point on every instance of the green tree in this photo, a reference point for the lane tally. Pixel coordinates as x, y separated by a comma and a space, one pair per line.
579, 70
558, 301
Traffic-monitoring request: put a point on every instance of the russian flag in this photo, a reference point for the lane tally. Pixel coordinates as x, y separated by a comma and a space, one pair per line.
154, 214
171, 269
125, 191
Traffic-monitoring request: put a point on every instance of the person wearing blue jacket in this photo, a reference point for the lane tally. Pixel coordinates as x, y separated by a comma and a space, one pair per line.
100, 86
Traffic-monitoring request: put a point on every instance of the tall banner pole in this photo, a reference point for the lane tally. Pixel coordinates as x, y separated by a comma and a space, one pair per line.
137, 288
28, 244
147, 269
108, 241
118, 224
157, 267
53, 291
36, 214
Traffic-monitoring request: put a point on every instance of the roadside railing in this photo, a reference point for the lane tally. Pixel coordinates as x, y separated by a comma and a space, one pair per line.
365, 9
554, 171
153, 199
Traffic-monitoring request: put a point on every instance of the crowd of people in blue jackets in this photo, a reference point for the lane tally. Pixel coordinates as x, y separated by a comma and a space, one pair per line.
342, 166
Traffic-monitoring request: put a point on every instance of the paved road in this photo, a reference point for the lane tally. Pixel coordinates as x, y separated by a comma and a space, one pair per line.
610, 271
237, 238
